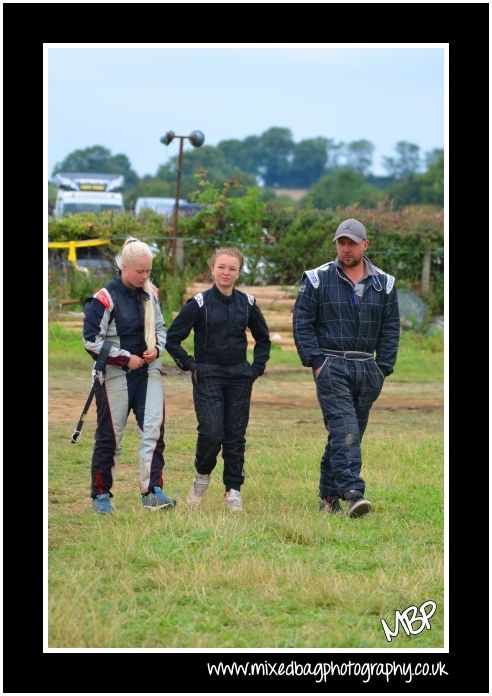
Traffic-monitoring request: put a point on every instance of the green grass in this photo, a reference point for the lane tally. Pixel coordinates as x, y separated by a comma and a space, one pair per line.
281, 574
420, 359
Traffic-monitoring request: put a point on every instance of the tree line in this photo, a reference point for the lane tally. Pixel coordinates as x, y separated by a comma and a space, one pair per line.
334, 173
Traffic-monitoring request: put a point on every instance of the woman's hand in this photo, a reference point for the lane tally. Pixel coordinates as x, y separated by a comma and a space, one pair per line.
150, 355
135, 362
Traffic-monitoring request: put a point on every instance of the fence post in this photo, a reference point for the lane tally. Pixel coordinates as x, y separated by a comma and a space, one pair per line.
179, 254
426, 271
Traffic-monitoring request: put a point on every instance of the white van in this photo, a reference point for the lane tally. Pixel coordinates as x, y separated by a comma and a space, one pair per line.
164, 206
87, 192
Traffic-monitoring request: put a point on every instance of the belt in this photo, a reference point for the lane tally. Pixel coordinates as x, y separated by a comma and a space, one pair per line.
348, 354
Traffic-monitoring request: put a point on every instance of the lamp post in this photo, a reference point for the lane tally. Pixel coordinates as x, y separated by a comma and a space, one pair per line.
196, 138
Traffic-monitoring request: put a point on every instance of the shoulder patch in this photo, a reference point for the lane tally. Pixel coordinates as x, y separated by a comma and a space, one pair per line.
390, 279
389, 283
313, 277
312, 274
251, 298
104, 298
199, 298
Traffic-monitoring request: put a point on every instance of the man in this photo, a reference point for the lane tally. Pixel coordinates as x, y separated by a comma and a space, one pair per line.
346, 311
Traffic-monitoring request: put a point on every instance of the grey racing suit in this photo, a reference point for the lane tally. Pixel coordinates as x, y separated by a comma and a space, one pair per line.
116, 314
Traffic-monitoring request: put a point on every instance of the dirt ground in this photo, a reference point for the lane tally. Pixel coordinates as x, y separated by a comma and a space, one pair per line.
270, 395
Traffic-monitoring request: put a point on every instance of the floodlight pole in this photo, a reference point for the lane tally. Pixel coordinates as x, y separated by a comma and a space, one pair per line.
197, 139
178, 192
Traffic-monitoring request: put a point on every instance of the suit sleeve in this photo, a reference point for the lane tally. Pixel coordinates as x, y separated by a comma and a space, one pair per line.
260, 333
304, 320
96, 321
160, 328
389, 336
180, 330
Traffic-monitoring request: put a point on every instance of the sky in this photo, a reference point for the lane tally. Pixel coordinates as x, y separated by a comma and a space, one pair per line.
126, 96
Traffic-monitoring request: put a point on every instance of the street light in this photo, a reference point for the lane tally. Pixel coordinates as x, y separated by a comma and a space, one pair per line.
197, 139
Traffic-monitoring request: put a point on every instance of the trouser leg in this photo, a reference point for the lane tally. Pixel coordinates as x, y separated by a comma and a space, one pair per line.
147, 401
371, 382
112, 414
236, 417
327, 486
341, 469
208, 397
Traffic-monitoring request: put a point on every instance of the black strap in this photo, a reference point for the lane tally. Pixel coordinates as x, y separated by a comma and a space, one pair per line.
103, 356
100, 366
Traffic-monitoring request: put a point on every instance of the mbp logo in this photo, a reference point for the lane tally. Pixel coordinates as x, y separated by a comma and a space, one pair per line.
407, 619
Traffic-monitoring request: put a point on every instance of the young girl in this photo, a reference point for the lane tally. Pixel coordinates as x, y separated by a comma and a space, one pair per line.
222, 378
126, 314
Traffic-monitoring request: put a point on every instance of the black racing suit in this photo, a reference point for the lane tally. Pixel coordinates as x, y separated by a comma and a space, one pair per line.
224, 378
339, 326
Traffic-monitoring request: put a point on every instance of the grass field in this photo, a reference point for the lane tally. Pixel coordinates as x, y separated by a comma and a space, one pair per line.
279, 575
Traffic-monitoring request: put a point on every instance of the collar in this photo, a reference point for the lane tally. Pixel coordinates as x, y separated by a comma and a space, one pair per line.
225, 298
369, 269
130, 291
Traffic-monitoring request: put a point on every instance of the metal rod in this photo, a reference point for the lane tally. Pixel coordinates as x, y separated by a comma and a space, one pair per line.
178, 192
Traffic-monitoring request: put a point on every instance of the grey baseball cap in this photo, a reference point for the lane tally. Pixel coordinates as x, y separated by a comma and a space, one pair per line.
353, 229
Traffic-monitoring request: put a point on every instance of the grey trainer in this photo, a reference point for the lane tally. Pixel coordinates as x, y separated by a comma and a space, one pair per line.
197, 490
233, 500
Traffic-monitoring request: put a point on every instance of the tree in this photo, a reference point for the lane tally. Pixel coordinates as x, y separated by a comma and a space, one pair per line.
243, 154
421, 188
341, 188
406, 191
204, 159
358, 155
432, 181
407, 162
433, 156
275, 151
98, 159
334, 153
308, 163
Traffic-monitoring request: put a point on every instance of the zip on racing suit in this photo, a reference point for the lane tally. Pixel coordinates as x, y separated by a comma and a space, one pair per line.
339, 326
224, 378
116, 314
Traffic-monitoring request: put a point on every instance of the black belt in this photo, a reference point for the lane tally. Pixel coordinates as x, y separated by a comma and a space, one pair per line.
348, 354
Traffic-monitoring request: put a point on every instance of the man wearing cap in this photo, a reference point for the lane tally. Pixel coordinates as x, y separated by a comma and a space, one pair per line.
346, 328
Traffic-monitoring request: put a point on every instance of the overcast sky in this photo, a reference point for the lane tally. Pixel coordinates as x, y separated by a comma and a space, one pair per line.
125, 97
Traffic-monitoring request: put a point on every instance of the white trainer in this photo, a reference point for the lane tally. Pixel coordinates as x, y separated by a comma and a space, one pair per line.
197, 490
233, 500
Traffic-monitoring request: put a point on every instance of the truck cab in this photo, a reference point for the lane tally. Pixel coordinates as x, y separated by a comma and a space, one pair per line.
87, 192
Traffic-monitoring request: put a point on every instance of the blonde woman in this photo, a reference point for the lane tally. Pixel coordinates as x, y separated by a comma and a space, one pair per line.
126, 315
222, 378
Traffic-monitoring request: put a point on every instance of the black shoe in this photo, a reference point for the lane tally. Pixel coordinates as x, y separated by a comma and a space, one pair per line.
330, 504
357, 505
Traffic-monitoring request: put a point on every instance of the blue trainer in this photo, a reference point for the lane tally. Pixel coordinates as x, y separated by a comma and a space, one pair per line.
157, 500
102, 504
